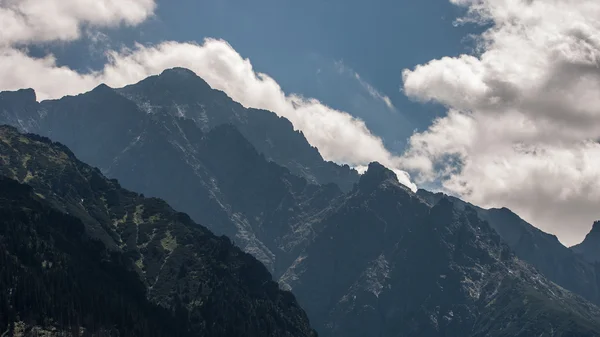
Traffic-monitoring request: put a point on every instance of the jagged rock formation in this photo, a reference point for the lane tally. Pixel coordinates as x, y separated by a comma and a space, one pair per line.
180, 92
207, 286
389, 264
589, 248
542, 250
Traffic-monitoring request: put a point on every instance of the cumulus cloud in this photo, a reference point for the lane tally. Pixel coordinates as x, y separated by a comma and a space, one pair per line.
524, 113
338, 136
27, 21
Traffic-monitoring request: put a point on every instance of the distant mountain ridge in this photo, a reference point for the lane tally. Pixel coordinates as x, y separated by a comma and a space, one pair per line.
589, 248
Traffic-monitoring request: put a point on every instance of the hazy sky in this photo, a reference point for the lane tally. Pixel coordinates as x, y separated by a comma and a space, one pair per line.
495, 101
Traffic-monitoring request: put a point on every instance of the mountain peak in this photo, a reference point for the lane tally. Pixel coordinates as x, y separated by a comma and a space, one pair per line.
178, 71
180, 80
595, 228
102, 87
375, 175
589, 248
594, 234
182, 76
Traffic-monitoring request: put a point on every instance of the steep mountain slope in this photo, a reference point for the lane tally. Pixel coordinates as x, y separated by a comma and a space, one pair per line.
217, 177
540, 249
181, 93
589, 248
218, 289
228, 185
61, 282
389, 264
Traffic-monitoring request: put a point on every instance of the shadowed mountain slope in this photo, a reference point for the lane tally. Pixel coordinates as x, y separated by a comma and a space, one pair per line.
389, 264
542, 250
181, 93
217, 289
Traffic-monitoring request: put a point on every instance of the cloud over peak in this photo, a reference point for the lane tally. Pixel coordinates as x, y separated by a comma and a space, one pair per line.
524, 113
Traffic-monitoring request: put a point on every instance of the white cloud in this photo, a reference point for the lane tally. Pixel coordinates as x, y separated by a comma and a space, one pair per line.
338, 136
524, 114
27, 21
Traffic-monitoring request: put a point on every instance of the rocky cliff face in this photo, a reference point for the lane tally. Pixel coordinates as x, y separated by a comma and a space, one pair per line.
542, 250
181, 93
204, 283
389, 264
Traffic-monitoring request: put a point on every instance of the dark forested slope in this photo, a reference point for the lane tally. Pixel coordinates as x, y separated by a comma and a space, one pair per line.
180, 266
53, 278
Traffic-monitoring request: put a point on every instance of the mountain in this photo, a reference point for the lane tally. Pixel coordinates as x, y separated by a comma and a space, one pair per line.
390, 264
589, 249
216, 175
84, 253
181, 93
376, 259
542, 250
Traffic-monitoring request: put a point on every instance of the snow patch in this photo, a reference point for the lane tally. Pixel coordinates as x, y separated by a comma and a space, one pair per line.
247, 240
377, 275
292, 274
181, 110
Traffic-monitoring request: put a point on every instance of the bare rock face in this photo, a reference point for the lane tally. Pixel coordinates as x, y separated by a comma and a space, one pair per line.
566, 267
181, 93
390, 264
